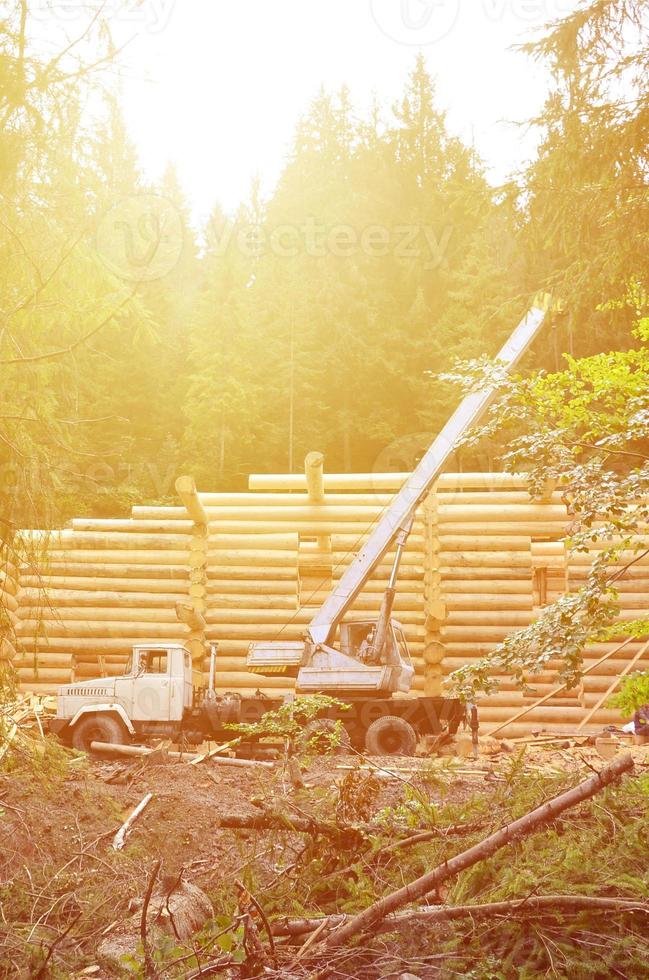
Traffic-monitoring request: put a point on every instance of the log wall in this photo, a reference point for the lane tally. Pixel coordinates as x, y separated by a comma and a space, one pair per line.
228, 568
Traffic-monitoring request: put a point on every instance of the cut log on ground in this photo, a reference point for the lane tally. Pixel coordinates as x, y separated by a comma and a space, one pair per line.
515, 908
374, 915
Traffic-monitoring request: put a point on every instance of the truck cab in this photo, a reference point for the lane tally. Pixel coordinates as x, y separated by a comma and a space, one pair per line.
154, 695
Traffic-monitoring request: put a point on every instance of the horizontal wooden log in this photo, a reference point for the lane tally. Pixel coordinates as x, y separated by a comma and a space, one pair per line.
44, 675
484, 573
556, 529
381, 572
506, 498
479, 601
487, 617
483, 542
540, 717
269, 559
351, 543
59, 587
101, 525
123, 558
312, 527
118, 541
92, 569
383, 481
37, 600
475, 634
118, 629
488, 559
258, 589
256, 542
304, 615
485, 513
251, 601
96, 614
241, 501
488, 587
250, 573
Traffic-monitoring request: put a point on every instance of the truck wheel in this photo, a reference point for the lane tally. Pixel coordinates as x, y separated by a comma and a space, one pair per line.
98, 728
390, 736
316, 733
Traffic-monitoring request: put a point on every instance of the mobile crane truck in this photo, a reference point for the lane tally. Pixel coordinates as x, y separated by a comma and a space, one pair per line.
368, 665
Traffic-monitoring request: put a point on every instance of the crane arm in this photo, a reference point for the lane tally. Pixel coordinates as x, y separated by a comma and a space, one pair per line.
399, 513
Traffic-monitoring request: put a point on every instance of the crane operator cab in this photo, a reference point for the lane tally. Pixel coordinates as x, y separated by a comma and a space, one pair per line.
351, 668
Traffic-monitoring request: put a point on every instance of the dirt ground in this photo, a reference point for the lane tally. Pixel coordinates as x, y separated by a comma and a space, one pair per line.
58, 865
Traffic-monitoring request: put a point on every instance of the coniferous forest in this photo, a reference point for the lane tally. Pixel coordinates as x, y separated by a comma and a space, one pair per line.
136, 344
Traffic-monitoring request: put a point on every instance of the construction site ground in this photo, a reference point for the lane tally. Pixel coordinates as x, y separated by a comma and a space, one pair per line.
63, 886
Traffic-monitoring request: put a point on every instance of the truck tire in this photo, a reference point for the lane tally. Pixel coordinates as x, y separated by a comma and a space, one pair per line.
323, 727
390, 735
98, 728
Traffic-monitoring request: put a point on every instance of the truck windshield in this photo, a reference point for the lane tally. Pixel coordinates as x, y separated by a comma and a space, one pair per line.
129, 664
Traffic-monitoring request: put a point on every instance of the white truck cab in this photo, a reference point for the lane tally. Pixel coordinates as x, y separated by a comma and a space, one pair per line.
155, 692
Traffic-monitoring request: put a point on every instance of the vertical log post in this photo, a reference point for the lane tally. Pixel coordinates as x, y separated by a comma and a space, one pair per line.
314, 474
198, 561
434, 603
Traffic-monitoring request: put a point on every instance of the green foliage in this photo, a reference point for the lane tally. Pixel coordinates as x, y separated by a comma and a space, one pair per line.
291, 718
633, 694
581, 429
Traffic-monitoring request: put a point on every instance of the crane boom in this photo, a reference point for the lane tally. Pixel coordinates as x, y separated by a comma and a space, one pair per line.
414, 490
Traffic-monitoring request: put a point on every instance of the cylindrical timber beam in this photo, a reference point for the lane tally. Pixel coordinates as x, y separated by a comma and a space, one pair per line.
186, 490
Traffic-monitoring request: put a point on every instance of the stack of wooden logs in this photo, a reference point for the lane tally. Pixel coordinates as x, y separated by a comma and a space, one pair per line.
228, 568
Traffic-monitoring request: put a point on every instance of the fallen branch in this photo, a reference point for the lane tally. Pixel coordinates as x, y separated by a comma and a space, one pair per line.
274, 820
533, 905
374, 915
120, 837
149, 966
454, 830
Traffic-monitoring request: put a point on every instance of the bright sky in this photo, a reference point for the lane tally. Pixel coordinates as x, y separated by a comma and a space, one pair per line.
216, 86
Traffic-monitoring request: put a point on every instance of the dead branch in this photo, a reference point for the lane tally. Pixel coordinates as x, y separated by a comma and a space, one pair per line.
532, 905
149, 966
371, 917
120, 836
274, 820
